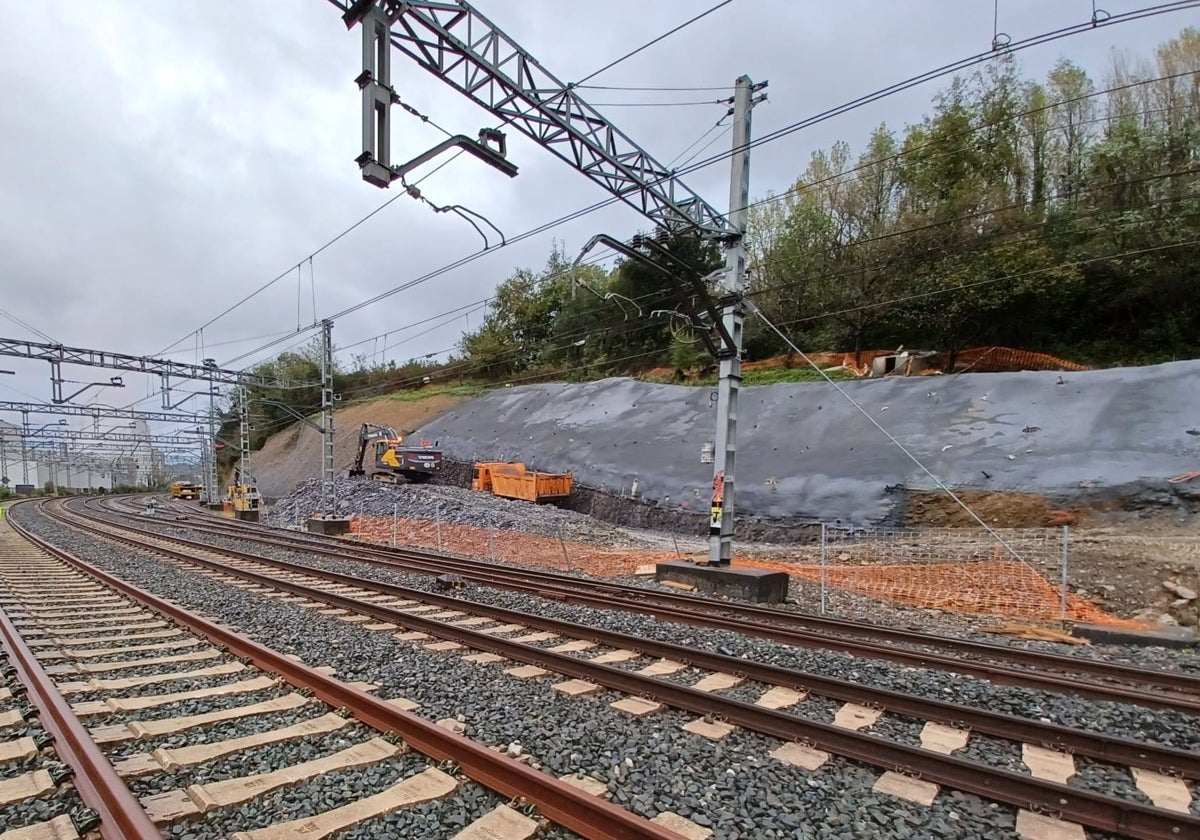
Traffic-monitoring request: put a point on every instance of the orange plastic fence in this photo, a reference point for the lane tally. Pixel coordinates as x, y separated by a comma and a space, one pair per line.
506, 546
998, 359
976, 585
1007, 588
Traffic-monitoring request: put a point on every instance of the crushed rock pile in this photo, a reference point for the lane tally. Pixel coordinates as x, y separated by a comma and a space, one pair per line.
453, 505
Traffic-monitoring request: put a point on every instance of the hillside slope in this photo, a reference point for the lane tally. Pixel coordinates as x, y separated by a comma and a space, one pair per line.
294, 455
806, 453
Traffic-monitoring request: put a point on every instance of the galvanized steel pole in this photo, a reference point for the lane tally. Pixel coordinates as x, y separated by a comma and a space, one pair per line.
720, 550
327, 415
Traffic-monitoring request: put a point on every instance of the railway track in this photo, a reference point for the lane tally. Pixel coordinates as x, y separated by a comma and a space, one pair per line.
460, 624
999, 664
159, 713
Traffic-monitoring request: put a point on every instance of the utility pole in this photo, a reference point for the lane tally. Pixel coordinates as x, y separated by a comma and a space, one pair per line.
327, 415
25, 447
244, 439
211, 483
720, 549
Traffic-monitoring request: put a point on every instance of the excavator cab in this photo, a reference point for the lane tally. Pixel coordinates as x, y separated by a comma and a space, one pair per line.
393, 459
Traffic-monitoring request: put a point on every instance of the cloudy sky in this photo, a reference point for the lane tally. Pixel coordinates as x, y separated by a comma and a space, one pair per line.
162, 159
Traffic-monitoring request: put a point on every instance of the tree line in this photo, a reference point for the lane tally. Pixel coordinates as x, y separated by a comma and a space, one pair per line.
1058, 215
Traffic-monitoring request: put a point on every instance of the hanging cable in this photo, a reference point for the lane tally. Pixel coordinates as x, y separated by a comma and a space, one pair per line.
27, 326
941, 485
659, 104
713, 89
898, 87
651, 43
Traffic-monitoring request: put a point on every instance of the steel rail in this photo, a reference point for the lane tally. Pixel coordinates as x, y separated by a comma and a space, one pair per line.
1179, 691
589, 816
1078, 805
1102, 747
100, 787
689, 604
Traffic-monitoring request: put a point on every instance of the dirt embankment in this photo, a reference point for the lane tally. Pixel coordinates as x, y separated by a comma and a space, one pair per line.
294, 455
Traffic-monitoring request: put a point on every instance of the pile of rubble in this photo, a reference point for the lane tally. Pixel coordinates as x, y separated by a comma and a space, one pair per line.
449, 505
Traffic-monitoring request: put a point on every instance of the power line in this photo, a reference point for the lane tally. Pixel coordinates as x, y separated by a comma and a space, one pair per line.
27, 326
906, 152
658, 104
1034, 227
944, 70
992, 280
713, 88
651, 43
870, 98
329, 242
920, 465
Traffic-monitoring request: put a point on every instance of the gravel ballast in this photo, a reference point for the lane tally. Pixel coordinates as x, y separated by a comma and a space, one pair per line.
649, 764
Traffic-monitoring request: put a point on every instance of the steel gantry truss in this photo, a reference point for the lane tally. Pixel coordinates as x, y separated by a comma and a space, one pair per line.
458, 45
60, 434
96, 412
58, 355
467, 51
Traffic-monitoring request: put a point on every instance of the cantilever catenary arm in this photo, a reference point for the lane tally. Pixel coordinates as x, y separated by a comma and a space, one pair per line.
467, 51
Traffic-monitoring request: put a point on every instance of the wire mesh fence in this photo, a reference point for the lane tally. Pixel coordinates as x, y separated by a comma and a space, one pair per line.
1009, 574
498, 544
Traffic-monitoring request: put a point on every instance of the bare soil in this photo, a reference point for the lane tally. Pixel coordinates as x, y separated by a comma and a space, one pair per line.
294, 455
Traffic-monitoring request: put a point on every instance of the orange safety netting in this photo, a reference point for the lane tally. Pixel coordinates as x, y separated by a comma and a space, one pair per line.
504, 546
1007, 588
977, 586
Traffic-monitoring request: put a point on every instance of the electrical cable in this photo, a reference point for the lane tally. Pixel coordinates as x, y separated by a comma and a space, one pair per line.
650, 43
980, 239
828, 114
944, 70
659, 104
941, 485
21, 323
713, 88
1006, 278
907, 152
327, 244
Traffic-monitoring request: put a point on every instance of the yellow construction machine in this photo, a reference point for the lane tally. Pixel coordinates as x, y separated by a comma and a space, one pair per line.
393, 458
185, 490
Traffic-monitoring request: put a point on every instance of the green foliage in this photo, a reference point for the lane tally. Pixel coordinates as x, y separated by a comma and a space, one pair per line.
774, 376
1036, 215
460, 390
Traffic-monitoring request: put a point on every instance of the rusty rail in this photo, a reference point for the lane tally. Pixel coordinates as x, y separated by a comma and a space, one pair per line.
121, 815
1078, 805
1094, 745
800, 630
589, 816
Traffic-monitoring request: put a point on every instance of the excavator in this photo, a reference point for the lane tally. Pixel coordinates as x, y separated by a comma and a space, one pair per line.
393, 459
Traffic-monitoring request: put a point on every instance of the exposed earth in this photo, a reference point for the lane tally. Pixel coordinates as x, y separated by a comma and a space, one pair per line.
1134, 549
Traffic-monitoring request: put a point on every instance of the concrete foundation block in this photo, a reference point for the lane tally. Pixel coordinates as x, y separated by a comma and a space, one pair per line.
331, 527
756, 585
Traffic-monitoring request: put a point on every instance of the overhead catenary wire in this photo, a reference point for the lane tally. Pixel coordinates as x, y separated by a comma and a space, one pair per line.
329, 243
981, 239
911, 150
870, 98
652, 42
945, 70
23, 323
660, 89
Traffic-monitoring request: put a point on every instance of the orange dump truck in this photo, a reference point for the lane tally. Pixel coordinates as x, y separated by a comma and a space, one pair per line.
514, 481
